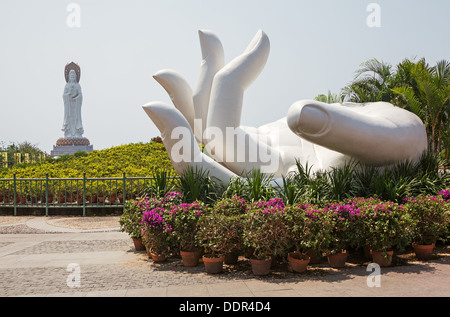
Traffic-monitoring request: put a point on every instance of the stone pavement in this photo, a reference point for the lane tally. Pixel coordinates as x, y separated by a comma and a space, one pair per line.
89, 257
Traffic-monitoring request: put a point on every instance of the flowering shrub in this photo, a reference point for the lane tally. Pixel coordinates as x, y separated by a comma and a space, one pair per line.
266, 230
307, 231
387, 226
131, 219
270, 228
430, 215
156, 231
344, 221
183, 219
231, 206
274, 204
170, 199
320, 226
220, 234
445, 193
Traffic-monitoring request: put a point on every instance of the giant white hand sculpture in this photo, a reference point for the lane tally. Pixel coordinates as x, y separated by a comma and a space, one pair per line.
322, 135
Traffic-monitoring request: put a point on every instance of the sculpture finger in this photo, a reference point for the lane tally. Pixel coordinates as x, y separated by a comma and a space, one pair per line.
212, 62
179, 92
231, 81
374, 133
180, 142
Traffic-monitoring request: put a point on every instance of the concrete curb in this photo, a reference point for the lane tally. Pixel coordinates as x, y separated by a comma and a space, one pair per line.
46, 225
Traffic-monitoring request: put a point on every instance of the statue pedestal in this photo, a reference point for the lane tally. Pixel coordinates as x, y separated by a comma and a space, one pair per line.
71, 146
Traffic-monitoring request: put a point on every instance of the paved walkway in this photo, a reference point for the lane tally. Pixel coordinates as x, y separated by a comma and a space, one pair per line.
57, 256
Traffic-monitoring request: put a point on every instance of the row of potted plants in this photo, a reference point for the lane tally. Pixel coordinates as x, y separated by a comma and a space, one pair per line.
63, 197
270, 229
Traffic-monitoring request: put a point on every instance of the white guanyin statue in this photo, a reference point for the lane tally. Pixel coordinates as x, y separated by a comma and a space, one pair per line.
314, 133
73, 98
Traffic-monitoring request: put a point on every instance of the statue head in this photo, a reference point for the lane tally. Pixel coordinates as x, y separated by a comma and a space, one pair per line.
72, 68
72, 76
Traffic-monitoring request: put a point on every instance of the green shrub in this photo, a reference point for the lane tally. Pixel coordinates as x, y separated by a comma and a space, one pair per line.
266, 231
219, 233
131, 218
196, 184
430, 216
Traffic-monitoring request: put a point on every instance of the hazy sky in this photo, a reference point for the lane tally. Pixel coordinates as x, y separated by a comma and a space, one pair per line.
316, 46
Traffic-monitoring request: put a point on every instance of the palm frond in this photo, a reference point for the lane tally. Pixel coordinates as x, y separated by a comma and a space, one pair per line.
411, 100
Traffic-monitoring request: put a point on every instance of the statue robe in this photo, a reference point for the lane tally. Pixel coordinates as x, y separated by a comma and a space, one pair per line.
73, 98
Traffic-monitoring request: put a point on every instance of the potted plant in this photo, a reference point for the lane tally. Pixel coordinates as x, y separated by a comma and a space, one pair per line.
234, 208
183, 219
339, 222
120, 197
388, 226
100, 198
156, 233
306, 236
361, 239
49, 197
111, 196
99, 190
219, 234
91, 198
131, 222
267, 232
430, 216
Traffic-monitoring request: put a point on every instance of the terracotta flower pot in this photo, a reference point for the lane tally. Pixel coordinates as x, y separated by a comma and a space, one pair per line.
382, 258
213, 265
423, 251
138, 245
190, 258
92, 199
298, 262
337, 260
113, 199
158, 257
261, 267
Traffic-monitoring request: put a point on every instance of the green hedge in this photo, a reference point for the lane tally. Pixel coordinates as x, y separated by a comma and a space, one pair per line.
136, 160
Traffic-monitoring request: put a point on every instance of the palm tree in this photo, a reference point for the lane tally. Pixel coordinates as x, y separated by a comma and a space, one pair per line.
415, 86
426, 92
373, 82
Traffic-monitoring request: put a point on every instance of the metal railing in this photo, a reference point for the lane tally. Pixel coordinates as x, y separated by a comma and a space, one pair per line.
71, 192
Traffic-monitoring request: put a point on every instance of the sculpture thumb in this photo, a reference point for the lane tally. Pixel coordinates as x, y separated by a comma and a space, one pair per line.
373, 133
